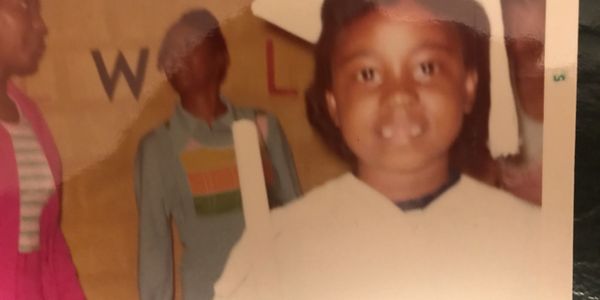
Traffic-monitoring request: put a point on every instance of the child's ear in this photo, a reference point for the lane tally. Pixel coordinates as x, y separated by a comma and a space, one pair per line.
471, 82
332, 107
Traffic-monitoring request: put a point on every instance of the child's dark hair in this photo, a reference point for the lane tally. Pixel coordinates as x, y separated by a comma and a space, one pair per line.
201, 27
473, 27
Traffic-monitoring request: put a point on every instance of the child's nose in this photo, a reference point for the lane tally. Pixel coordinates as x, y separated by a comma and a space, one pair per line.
399, 97
398, 91
400, 100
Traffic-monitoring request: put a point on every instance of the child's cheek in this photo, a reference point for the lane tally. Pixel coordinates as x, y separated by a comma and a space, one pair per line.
440, 104
363, 93
359, 108
360, 87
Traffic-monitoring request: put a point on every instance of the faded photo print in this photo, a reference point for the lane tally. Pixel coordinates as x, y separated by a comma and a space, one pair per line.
277, 149
436, 108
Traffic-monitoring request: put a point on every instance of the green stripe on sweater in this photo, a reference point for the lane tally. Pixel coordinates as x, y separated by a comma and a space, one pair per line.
218, 203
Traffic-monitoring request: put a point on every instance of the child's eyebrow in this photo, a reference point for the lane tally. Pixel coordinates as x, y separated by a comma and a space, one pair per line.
428, 46
438, 47
344, 60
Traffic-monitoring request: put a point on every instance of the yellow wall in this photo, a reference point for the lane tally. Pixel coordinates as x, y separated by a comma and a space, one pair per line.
97, 138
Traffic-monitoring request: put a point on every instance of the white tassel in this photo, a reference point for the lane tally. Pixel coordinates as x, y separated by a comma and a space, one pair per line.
256, 208
503, 137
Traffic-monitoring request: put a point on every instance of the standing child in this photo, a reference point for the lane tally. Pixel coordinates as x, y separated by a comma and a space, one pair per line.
35, 262
186, 168
394, 84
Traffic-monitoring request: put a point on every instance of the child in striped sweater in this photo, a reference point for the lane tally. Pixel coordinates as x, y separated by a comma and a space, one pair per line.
186, 169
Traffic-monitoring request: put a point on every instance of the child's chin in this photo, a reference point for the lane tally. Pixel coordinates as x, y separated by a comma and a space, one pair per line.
404, 164
29, 68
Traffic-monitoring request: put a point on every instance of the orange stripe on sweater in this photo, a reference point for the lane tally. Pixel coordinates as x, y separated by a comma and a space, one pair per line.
212, 182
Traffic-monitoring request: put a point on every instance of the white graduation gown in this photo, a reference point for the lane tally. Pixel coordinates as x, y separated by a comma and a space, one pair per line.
344, 240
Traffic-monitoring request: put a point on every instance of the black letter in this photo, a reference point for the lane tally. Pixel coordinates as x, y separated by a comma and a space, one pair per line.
135, 81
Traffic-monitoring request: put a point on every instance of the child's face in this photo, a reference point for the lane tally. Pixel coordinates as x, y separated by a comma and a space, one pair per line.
198, 68
193, 70
400, 88
22, 36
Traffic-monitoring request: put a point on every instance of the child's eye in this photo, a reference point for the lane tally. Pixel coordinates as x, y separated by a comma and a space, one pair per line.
426, 70
367, 75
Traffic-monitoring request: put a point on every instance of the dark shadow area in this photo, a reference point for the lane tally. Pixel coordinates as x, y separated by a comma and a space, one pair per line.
586, 243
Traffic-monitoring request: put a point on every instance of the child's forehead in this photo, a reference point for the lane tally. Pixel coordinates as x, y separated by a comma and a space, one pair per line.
406, 11
379, 34
389, 22
184, 36
444, 12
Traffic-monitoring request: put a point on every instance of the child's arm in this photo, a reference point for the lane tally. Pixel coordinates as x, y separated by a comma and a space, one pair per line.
286, 186
155, 250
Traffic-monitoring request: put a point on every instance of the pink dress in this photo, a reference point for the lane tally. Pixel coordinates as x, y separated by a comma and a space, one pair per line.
29, 280
47, 273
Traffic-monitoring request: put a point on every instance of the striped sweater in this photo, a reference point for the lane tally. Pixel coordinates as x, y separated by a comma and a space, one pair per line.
186, 172
36, 183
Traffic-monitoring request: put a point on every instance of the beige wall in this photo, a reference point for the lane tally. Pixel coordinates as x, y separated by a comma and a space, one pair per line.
97, 138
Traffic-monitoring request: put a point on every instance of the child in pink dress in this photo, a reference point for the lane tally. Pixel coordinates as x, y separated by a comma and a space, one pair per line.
35, 263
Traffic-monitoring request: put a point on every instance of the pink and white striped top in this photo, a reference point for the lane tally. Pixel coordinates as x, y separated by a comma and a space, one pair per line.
36, 182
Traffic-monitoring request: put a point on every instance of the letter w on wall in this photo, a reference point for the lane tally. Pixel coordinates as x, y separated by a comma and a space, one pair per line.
109, 81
